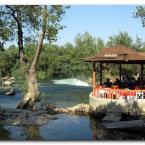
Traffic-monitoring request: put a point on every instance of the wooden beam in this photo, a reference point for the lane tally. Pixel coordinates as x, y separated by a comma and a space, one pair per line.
120, 72
142, 75
100, 73
94, 77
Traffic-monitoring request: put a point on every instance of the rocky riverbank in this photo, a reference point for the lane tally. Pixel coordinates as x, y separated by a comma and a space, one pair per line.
39, 116
23, 117
42, 113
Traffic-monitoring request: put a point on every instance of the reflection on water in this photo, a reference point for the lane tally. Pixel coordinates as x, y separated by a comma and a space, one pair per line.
15, 132
32, 132
66, 127
4, 134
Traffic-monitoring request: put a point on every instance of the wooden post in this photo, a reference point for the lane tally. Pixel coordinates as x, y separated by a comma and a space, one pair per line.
100, 73
142, 75
94, 77
120, 72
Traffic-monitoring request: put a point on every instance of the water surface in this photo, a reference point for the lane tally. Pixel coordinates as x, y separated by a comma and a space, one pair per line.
65, 127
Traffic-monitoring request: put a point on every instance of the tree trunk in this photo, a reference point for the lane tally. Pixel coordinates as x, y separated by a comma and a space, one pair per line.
33, 93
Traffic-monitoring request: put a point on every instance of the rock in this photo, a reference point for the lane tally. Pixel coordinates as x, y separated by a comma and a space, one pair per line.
39, 112
39, 117
12, 79
113, 113
80, 109
7, 83
126, 125
116, 117
10, 116
10, 92
5, 78
113, 116
50, 106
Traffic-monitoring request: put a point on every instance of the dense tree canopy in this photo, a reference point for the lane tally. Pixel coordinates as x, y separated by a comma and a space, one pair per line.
66, 60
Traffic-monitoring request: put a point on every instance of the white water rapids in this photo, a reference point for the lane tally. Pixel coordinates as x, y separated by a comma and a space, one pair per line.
71, 81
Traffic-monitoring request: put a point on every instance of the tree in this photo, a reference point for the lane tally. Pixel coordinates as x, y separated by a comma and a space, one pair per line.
8, 59
4, 34
46, 18
121, 39
139, 44
140, 13
5, 64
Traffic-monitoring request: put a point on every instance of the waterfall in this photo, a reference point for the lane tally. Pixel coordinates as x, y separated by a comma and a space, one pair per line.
71, 81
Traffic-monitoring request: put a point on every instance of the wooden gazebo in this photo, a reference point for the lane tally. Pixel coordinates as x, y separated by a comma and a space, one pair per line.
117, 55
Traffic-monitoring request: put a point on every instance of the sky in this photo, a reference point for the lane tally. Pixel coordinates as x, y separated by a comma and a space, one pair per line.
100, 21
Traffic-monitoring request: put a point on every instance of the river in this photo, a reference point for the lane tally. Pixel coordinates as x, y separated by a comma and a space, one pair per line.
65, 127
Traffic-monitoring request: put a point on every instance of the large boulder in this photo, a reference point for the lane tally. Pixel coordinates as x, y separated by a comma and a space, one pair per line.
80, 109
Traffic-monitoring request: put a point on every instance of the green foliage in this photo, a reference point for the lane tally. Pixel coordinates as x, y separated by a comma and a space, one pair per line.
55, 13
140, 13
124, 39
4, 63
139, 45
41, 74
4, 34
25, 16
66, 61
121, 39
7, 61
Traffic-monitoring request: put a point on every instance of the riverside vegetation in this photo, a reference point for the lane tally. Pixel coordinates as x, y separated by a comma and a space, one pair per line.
66, 61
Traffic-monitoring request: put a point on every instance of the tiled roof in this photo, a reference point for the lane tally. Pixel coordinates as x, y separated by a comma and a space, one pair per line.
117, 54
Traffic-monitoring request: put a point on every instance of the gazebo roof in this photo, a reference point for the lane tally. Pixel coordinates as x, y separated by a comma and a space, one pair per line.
117, 54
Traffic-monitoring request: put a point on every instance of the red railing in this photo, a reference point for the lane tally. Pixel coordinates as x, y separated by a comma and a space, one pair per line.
116, 93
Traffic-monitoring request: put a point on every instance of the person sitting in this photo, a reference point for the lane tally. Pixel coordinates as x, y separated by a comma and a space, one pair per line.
117, 82
124, 82
132, 83
139, 82
108, 84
